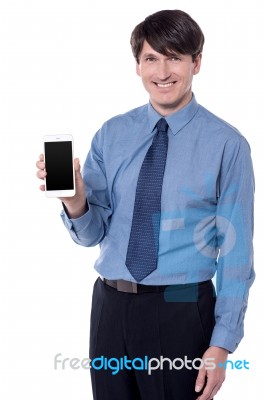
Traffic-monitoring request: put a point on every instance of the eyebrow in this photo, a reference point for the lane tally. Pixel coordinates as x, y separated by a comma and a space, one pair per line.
149, 55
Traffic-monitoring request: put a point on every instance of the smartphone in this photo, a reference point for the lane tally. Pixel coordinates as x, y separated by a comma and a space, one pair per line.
58, 158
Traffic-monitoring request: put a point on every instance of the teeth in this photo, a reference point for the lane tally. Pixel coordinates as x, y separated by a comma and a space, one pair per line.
163, 85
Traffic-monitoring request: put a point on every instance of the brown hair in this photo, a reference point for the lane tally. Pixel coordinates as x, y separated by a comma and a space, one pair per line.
168, 32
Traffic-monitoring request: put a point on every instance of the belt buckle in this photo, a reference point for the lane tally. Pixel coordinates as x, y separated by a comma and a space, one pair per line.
127, 286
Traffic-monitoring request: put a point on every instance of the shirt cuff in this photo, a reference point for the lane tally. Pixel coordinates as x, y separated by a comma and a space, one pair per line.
222, 338
75, 225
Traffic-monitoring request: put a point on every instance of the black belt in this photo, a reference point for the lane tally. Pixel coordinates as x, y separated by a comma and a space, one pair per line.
132, 287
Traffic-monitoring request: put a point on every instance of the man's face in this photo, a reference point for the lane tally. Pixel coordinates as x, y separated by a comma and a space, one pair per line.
167, 79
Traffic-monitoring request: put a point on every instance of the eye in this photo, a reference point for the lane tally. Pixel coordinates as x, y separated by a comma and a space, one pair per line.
150, 59
175, 59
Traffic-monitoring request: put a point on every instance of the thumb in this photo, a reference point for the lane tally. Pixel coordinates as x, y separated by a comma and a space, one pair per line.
76, 165
200, 382
78, 178
77, 171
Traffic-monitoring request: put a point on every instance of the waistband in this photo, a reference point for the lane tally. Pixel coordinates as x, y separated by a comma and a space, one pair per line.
137, 288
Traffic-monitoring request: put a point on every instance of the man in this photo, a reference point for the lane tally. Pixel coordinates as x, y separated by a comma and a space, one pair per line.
167, 192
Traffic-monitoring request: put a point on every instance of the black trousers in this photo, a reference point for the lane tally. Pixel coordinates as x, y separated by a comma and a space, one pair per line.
176, 324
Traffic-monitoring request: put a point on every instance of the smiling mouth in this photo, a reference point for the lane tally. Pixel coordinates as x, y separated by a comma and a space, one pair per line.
164, 85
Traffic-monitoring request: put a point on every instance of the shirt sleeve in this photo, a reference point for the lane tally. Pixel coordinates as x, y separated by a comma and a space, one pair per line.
91, 228
234, 224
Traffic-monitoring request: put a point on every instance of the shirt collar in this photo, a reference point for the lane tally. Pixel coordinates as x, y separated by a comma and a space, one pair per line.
177, 120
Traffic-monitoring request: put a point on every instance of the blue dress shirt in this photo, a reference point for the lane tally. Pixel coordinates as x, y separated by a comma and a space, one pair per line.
206, 211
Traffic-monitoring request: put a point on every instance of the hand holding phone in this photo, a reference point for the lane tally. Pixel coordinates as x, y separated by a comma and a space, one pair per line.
58, 158
75, 205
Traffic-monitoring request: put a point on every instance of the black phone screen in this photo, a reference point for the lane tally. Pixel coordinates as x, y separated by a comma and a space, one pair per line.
59, 165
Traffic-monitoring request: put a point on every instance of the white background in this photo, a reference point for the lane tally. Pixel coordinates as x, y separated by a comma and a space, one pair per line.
65, 67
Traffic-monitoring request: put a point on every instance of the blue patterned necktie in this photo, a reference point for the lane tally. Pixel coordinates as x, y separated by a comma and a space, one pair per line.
142, 253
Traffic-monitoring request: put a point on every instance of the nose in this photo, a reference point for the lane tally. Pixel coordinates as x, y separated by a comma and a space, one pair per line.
163, 72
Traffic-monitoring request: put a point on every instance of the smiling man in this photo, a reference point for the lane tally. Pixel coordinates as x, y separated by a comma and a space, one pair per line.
167, 191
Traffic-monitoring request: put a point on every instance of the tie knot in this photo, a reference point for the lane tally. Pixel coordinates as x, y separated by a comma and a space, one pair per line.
162, 125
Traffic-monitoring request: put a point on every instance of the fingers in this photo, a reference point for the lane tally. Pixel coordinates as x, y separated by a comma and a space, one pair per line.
214, 384
209, 392
40, 162
201, 379
41, 173
215, 391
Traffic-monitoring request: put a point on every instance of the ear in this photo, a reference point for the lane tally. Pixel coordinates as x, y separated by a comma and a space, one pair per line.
137, 69
197, 64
